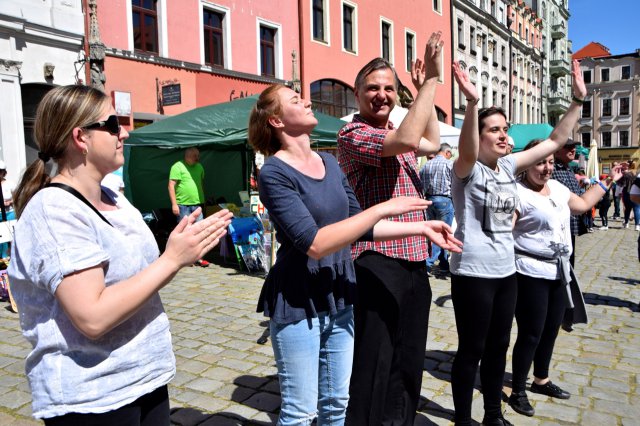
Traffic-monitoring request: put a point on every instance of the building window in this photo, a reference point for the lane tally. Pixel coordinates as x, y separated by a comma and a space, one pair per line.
586, 109
624, 106
485, 98
410, 49
503, 101
348, 28
485, 48
333, 97
472, 41
495, 98
386, 40
461, 34
267, 51
604, 74
586, 139
503, 57
623, 138
586, 76
494, 53
606, 139
145, 25
213, 38
606, 107
437, 6
319, 20
493, 9
625, 72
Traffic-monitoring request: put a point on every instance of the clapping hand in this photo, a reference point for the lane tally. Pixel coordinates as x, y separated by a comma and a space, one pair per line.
579, 89
466, 85
191, 240
441, 234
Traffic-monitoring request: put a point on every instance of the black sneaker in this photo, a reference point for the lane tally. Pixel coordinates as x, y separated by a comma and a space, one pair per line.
497, 421
551, 390
520, 404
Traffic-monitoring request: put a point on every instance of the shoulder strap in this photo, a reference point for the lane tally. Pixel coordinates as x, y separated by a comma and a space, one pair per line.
80, 197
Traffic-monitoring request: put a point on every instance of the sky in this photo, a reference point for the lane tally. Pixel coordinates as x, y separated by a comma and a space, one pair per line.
613, 23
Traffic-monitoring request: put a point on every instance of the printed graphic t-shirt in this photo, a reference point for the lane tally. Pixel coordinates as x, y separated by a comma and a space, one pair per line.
484, 204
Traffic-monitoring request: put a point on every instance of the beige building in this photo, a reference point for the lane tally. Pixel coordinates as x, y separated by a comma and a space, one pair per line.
611, 112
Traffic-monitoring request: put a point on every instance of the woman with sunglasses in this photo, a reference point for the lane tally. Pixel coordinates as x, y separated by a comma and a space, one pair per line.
309, 292
542, 236
483, 276
86, 271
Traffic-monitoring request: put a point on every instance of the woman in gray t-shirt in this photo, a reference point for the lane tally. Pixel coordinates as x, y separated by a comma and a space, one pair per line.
85, 273
483, 282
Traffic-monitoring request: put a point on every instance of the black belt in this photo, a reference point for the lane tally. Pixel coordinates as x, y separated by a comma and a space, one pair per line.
438, 195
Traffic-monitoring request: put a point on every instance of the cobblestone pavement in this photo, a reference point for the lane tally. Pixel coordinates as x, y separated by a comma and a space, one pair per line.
226, 378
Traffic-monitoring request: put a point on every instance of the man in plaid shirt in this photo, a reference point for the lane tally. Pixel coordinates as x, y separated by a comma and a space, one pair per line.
563, 174
394, 296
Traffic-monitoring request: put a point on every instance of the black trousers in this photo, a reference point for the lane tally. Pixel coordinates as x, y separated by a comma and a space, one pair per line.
539, 312
151, 409
391, 319
603, 211
484, 309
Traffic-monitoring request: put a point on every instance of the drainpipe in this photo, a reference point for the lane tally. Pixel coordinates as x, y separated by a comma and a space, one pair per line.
87, 30
451, 78
303, 81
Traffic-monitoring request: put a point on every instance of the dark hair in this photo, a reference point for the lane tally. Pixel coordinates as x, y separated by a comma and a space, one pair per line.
530, 145
60, 111
262, 137
374, 65
483, 113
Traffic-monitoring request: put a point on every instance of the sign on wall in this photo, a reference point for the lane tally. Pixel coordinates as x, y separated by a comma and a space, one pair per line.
171, 95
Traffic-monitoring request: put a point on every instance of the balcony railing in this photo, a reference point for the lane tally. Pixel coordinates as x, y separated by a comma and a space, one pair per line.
558, 31
557, 103
559, 67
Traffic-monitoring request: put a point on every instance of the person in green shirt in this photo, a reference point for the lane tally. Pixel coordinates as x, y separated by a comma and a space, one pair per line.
186, 187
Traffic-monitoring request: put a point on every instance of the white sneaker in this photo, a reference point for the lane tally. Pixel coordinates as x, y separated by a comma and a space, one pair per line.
603, 228
637, 227
626, 225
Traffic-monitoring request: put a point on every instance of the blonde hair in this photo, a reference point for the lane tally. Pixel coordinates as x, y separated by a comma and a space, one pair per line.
60, 111
262, 137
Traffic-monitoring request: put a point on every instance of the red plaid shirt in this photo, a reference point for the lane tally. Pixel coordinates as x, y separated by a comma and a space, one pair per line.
375, 179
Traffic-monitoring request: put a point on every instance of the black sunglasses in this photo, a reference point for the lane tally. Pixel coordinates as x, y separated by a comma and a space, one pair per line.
111, 125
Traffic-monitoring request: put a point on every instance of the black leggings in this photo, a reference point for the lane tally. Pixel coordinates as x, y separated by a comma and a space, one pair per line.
539, 312
151, 409
484, 309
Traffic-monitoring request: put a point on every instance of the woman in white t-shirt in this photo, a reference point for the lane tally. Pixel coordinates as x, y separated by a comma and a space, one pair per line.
483, 276
85, 273
542, 240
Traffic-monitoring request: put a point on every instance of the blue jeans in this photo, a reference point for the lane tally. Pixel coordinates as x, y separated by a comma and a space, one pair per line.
441, 209
187, 210
314, 358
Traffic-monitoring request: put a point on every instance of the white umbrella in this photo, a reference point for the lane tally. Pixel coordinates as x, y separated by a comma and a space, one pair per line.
448, 134
593, 169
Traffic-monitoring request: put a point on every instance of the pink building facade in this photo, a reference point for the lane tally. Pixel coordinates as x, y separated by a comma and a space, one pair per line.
164, 57
526, 63
205, 52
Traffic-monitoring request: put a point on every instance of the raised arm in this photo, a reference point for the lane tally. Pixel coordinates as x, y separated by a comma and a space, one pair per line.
409, 136
586, 201
333, 237
562, 131
469, 140
431, 136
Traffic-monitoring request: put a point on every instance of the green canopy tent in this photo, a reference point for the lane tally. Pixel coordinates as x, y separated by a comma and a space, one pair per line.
522, 134
220, 133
